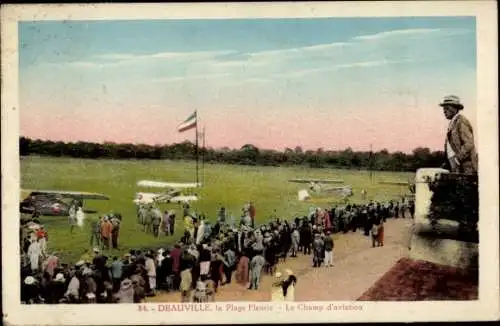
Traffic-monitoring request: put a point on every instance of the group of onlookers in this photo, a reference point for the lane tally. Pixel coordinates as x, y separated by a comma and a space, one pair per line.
105, 231
206, 258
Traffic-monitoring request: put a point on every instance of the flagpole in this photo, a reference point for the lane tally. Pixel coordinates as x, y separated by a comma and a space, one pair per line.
203, 157
370, 163
196, 148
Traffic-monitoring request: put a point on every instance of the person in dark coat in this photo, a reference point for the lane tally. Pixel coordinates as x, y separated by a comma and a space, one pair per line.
286, 241
412, 208
115, 232
333, 219
215, 269
306, 237
166, 271
270, 256
57, 288
30, 291
318, 247
364, 221
172, 224
229, 264
176, 261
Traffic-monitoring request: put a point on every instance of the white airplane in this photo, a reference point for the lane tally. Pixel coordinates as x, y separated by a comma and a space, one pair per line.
344, 192
145, 198
171, 193
319, 186
172, 185
317, 181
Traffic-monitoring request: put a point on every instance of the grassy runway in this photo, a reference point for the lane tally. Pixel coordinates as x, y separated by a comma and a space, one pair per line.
228, 185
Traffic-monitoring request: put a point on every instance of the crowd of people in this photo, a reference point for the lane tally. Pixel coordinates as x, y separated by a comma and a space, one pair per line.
206, 258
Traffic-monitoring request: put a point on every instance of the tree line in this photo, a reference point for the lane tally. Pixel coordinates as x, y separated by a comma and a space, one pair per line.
248, 154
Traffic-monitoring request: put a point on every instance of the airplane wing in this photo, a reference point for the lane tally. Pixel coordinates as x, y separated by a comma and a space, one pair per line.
181, 199
339, 190
333, 189
149, 198
396, 183
70, 194
163, 198
174, 193
159, 184
326, 181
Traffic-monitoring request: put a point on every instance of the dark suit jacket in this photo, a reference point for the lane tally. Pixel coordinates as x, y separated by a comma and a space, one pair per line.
461, 138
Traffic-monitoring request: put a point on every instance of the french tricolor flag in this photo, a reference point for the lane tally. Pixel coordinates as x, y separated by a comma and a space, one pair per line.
189, 123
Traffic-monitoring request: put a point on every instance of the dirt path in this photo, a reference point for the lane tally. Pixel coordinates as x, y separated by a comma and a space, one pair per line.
357, 266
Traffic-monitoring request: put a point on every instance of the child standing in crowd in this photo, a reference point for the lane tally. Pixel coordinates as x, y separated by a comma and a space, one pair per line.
195, 271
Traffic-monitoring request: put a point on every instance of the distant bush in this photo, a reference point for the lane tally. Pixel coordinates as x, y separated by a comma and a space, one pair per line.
246, 155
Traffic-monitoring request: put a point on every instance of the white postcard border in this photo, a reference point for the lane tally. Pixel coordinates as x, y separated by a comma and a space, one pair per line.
486, 308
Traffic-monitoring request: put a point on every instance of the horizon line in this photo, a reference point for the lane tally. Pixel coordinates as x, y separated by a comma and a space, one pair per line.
304, 149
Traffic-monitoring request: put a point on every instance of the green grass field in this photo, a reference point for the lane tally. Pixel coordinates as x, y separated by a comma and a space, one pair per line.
228, 185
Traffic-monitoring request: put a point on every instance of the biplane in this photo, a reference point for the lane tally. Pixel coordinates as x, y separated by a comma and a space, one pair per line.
171, 192
321, 187
323, 181
56, 202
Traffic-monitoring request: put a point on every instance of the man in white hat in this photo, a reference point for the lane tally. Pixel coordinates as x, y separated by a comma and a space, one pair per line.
30, 292
126, 292
56, 289
60, 278
459, 147
29, 280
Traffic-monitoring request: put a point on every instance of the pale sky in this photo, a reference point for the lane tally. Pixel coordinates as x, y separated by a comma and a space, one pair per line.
275, 83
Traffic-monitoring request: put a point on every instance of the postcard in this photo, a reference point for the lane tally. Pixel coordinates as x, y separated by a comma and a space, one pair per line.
238, 163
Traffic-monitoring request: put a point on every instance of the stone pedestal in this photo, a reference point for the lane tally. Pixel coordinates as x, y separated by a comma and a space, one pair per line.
437, 243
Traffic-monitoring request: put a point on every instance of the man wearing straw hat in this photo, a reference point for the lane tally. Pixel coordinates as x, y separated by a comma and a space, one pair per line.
459, 147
